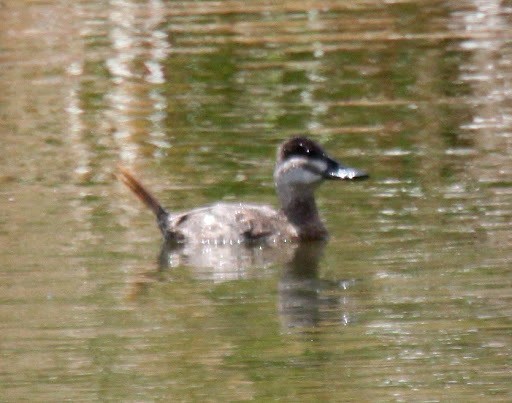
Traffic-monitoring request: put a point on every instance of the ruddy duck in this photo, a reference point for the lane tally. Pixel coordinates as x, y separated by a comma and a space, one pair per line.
301, 166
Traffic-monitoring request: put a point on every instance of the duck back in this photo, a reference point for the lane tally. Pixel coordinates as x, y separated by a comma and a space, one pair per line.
230, 223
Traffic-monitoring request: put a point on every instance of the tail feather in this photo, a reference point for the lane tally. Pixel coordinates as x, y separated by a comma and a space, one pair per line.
145, 196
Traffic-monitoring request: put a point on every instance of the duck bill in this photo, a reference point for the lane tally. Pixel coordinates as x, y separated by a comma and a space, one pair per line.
336, 171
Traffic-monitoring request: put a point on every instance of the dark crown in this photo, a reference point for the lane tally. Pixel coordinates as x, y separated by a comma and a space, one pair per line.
300, 147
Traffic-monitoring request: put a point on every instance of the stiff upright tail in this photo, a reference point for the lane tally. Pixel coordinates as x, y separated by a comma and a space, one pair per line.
146, 197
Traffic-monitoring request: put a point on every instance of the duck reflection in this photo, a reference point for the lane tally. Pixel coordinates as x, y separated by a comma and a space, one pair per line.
304, 299
225, 262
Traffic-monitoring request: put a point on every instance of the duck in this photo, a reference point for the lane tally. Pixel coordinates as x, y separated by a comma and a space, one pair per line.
301, 166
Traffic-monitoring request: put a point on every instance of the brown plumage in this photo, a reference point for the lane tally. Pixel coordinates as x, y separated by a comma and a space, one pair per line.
301, 166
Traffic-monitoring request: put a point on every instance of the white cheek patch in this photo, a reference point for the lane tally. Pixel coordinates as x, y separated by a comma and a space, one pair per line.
319, 166
306, 173
302, 176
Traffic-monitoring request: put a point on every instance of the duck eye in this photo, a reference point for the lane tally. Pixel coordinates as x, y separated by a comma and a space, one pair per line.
303, 150
311, 151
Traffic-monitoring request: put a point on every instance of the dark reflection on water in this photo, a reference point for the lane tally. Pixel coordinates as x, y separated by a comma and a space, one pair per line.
304, 300
307, 301
197, 95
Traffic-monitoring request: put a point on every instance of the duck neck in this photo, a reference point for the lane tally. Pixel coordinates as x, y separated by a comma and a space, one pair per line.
299, 207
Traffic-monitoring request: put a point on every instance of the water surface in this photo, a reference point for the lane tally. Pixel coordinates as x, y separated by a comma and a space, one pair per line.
409, 301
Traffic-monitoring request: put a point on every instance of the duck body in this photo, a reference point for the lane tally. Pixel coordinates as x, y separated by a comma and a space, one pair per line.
230, 223
300, 168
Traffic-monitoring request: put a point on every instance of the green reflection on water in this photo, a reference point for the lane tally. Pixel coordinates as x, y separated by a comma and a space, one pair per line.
410, 300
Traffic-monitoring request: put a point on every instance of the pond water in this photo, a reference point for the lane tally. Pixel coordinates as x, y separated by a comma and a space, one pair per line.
411, 298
